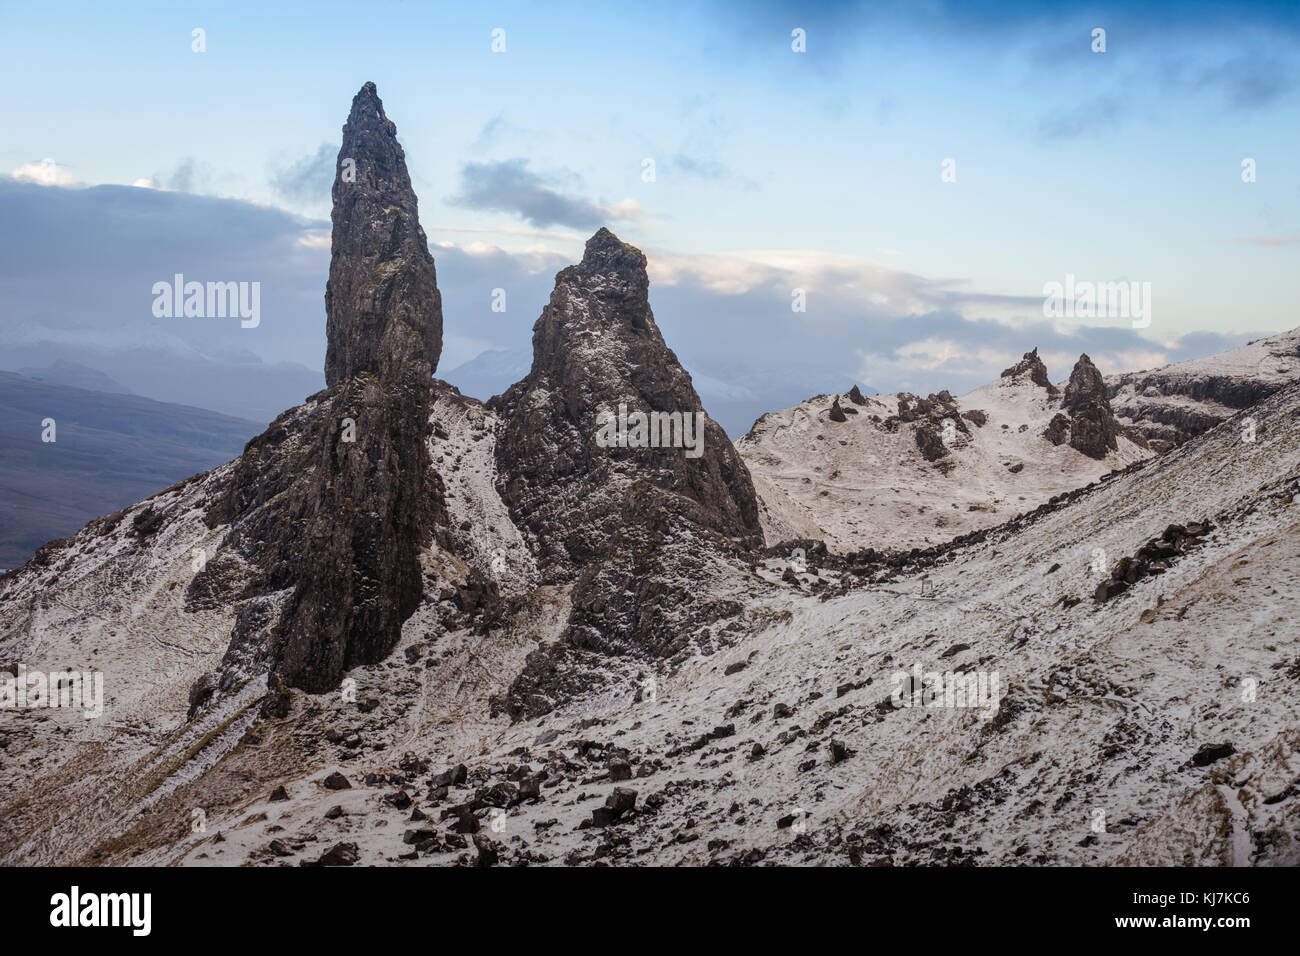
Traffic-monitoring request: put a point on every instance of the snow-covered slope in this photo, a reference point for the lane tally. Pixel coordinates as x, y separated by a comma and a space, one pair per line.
866, 483
462, 448
1176, 402
1156, 727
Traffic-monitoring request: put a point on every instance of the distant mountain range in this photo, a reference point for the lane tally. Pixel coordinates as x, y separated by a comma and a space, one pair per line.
110, 449
239, 385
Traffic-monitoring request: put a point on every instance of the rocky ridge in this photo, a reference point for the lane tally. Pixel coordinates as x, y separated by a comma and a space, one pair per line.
903, 471
1174, 403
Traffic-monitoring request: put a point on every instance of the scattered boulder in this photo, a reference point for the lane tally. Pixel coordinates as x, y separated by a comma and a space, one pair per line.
340, 854
454, 777
1209, 753
336, 781
488, 852
617, 805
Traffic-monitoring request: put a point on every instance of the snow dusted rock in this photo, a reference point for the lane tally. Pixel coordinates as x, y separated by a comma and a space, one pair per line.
1030, 368
1088, 423
463, 447
334, 503
1174, 403
595, 348
635, 529
911, 471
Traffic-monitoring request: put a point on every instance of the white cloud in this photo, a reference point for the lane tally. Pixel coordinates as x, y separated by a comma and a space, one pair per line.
44, 173
625, 209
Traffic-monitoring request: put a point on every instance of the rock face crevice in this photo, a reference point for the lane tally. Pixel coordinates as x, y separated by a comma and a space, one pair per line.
333, 504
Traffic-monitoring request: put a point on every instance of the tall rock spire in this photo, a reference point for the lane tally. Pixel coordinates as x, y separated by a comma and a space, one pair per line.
382, 305
596, 347
1094, 430
332, 505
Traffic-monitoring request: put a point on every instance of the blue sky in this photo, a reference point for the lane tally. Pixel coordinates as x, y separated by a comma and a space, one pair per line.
773, 168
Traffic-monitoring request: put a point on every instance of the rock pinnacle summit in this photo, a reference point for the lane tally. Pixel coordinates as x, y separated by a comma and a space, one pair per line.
382, 302
334, 502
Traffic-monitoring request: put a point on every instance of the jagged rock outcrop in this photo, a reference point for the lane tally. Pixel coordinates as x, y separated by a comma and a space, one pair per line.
650, 603
929, 442
1154, 557
931, 418
1031, 368
630, 520
572, 443
1093, 429
836, 413
1058, 429
856, 396
330, 507
382, 305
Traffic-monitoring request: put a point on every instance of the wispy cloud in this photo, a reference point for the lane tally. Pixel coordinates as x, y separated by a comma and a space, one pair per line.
1096, 115
510, 186
307, 180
